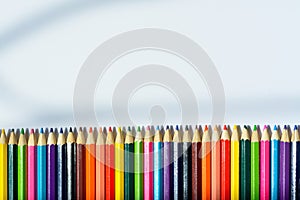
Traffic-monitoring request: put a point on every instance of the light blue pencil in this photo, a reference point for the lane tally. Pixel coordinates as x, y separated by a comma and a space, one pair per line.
41, 166
158, 166
275, 164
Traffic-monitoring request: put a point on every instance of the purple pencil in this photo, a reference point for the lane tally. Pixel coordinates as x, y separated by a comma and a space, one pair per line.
51, 165
284, 166
167, 163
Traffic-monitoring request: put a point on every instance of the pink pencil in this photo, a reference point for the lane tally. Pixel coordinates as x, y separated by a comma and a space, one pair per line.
31, 169
265, 165
148, 165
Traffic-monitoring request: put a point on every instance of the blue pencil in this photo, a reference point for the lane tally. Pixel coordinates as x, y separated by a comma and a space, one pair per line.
41, 167
158, 166
274, 164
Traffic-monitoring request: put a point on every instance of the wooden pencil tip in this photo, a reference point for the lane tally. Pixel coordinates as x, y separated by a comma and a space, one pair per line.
295, 127
61, 131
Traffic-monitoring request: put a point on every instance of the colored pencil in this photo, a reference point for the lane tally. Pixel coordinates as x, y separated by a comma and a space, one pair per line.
31, 169
51, 165
284, 165
265, 165
275, 164
235, 165
245, 164
158, 166
3, 166
71, 165
22, 160
295, 164
255, 164
138, 166
110, 166
196, 165
119, 165
206, 164
297, 141
128, 166
148, 165
225, 164
187, 163
80, 165
167, 164
90, 163
41, 166
12, 166
100, 165
61, 166
215, 164
177, 164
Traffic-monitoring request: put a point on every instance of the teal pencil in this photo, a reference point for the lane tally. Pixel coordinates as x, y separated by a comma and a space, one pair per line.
41, 166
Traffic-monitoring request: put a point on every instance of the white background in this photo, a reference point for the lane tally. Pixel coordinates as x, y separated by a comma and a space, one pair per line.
255, 47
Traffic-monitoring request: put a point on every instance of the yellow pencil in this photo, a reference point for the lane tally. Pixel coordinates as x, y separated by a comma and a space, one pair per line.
119, 165
3, 166
235, 154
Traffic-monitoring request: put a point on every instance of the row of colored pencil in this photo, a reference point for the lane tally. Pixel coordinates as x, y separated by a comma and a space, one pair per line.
151, 164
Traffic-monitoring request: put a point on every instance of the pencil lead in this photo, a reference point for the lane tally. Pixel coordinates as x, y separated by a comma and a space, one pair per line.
177, 128
22, 131
295, 127
168, 127
110, 129
91, 130
139, 129
51, 130
70, 130
265, 127
32, 131
285, 127
3, 131
255, 128
275, 128
12, 130
61, 131
148, 128
246, 127
235, 127
225, 128
157, 128
42, 130
129, 128
206, 128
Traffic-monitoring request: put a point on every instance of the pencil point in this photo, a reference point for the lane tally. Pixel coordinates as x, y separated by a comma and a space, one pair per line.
61, 130
32, 131
91, 130
225, 128
235, 127
295, 127
157, 128
148, 128
41, 130
245, 127
255, 128
22, 131
70, 130
51, 130
3, 131
167, 127
206, 128
129, 128
12, 130
177, 128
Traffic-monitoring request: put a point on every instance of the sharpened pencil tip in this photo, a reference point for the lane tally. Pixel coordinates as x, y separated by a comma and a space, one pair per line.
91, 130
168, 127
32, 131
265, 127
206, 128
129, 128
51, 130
110, 129
275, 128
285, 127
22, 131
177, 128
225, 128
255, 128
70, 130
61, 130
295, 127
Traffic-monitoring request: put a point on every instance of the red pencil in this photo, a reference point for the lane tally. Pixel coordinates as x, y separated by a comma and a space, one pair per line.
225, 164
110, 166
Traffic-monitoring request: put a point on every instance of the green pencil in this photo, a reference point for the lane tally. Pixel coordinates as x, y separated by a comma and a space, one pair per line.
255, 164
128, 158
22, 172
138, 166
245, 167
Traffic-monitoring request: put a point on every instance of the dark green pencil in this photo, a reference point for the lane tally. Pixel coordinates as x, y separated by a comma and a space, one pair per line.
245, 165
128, 167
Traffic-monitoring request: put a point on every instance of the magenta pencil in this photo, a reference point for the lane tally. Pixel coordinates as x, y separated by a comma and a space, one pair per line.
31, 169
265, 165
148, 165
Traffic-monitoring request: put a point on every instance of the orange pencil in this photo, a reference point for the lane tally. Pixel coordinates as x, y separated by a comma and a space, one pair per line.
90, 164
100, 165
206, 165
215, 164
110, 166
